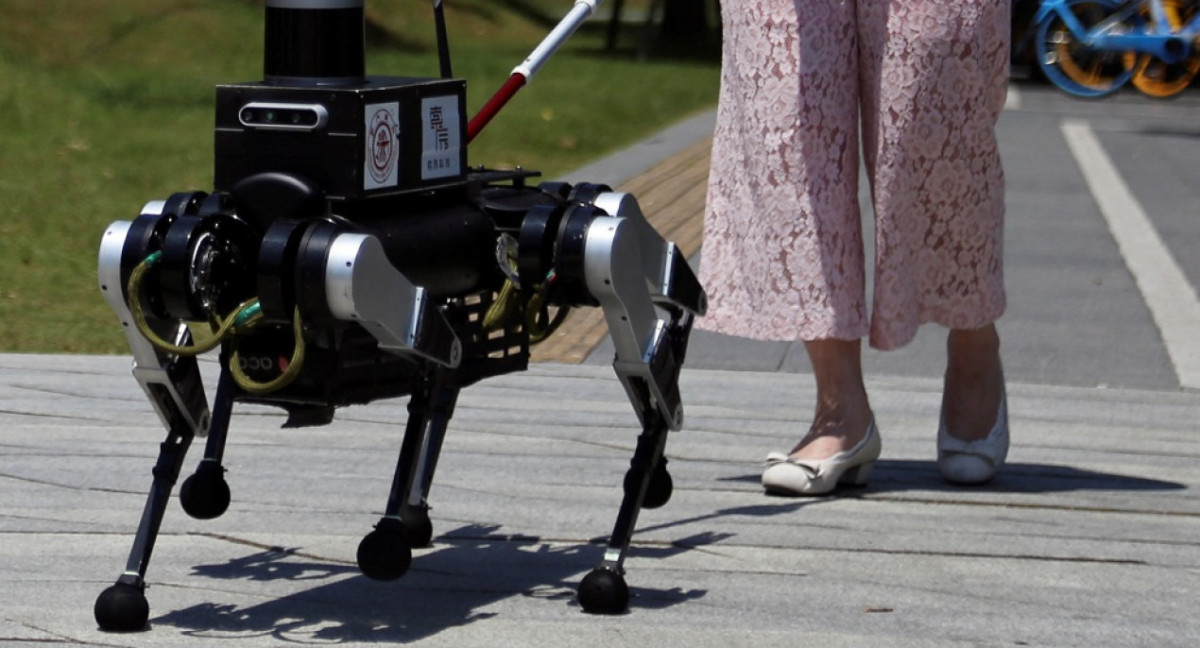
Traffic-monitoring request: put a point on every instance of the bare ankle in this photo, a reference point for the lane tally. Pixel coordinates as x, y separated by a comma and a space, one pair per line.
974, 382
834, 429
843, 411
973, 350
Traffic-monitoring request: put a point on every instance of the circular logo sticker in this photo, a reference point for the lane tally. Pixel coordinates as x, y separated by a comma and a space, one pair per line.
381, 143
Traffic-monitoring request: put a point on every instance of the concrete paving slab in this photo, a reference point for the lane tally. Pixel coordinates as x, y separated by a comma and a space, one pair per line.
1089, 538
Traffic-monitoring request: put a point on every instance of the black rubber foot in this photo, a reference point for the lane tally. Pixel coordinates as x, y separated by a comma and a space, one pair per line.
418, 529
205, 495
603, 591
658, 491
384, 553
122, 608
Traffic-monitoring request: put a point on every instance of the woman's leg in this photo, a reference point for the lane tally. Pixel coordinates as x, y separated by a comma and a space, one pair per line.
783, 244
934, 77
843, 444
934, 81
843, 412
974, 382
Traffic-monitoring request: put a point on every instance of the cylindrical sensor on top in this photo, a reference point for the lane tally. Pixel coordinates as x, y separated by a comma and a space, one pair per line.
315, 42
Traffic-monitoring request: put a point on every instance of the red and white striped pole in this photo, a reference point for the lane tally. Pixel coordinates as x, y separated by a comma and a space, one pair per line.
521, 74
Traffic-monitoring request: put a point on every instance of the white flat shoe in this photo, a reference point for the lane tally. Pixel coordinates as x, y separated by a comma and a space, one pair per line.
787, 476
974, 462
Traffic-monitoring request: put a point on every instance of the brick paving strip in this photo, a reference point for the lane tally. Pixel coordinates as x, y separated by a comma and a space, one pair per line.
672, 197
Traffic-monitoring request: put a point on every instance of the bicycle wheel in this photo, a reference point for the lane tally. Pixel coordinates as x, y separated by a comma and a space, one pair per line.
1073, 66
1154, 76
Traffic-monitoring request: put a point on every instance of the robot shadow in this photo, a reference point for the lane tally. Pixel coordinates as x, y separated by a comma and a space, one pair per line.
453, 584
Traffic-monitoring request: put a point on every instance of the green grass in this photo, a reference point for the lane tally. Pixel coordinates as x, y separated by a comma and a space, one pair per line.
106, 104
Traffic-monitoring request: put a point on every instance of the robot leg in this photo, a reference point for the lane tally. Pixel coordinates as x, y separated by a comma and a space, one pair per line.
649, 307
174, 387
205, 494
386, 553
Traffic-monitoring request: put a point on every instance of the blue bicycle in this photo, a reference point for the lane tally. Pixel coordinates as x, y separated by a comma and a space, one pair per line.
1091, 48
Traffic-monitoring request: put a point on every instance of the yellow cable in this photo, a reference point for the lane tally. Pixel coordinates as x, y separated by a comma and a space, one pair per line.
502, 310
539, 323
245, 317
295, 364
139, 317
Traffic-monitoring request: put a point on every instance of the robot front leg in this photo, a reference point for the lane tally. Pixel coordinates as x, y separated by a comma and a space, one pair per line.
353, 282
361, 285
123, 606
650, 296
174, 387
386, 553
647, 484
205, 494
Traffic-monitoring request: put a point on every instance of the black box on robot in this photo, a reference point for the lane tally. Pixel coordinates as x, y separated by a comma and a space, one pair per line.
383, 137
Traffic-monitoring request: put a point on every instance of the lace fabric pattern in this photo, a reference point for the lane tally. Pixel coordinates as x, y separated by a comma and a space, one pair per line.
917, 86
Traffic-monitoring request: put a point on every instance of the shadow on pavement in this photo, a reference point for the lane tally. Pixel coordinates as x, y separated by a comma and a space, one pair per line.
452, 584
898, 475
891, 475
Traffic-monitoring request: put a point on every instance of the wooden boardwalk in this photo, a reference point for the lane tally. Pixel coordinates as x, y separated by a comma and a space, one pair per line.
672, 196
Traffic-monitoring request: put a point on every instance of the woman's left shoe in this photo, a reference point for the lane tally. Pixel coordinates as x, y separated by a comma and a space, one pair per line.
852, 467
974, 462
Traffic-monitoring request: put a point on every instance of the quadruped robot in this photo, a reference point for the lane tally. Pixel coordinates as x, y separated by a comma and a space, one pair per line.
347, 253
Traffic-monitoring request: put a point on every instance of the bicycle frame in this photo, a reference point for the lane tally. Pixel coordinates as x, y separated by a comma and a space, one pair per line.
1115, 33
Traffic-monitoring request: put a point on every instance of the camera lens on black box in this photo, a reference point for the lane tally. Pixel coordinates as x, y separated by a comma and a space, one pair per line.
249, 116
283, 116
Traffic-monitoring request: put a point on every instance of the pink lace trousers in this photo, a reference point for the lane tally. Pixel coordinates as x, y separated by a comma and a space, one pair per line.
783, 245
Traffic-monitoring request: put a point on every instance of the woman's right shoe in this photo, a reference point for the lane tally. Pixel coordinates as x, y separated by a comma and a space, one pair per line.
971, 463
787, 476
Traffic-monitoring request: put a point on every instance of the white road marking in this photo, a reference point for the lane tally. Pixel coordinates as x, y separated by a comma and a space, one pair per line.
1165, 289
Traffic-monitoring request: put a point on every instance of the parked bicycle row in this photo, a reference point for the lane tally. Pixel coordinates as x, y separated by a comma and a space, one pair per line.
1092, 48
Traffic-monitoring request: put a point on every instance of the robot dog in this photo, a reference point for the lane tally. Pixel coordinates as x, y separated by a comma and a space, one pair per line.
347, 253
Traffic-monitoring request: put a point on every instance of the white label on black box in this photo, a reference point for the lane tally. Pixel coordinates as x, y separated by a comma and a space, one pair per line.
441, 137
380, 169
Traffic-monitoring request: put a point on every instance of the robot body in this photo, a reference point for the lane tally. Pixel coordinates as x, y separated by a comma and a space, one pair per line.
348, 254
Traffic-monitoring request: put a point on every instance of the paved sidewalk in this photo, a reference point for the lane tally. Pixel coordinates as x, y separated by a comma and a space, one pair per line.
1088, 539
